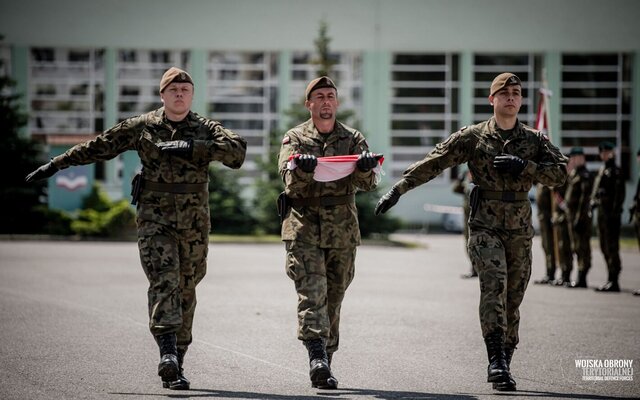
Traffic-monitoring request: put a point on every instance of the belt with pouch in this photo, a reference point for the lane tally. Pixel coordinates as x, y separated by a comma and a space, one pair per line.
503, 195
324, 201
177, 188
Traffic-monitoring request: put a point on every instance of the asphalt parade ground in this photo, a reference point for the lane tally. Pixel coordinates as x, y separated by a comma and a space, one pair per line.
74, 326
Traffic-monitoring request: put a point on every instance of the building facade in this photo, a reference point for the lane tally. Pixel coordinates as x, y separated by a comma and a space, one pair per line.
412, 71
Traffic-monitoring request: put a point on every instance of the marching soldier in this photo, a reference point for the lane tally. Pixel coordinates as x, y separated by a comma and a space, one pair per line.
505, 158
579, 187
175, 146
320, 227
608, 196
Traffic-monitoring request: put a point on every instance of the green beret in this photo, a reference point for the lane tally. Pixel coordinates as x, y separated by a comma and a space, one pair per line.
576, 151
606, 145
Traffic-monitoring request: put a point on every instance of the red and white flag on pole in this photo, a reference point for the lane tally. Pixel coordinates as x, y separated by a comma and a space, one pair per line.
542, 116
335, 167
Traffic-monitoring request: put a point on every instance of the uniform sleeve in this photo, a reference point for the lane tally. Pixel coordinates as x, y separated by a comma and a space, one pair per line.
221, 145
550, 169
619, 192
107, 145
585, 195
295, 180
362, 180
453, 151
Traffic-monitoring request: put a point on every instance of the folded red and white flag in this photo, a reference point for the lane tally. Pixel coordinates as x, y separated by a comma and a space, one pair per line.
335, 167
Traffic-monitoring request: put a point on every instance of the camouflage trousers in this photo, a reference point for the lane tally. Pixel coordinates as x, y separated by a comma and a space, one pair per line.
321, 277
503, 261
565, 254
546, 236
174, 261
609, 235
581, 244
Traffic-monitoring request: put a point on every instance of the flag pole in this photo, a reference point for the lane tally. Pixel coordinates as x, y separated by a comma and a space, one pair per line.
546, 95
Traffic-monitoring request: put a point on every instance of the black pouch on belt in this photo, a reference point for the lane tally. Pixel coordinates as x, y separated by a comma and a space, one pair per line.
474, 200
284, 205
136, 188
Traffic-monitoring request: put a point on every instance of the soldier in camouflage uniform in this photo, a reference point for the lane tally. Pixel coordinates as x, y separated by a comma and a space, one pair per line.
579, 186
505, 158
545, 212
320, 229
561, 226
634, 213
463, 186
175, 147
608, 196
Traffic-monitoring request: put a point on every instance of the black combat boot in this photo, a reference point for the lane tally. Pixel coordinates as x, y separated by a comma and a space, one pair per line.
611, 285
510, 385
181, 383
168, 368
565, 280
319, 370
548, 279
581, 282
497, 371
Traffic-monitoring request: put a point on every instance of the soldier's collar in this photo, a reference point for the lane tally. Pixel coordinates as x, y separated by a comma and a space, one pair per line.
325, 137
190, 120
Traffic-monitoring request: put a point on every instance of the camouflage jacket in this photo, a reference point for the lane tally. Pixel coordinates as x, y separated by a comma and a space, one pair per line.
211, 142
560, 211
478, 145
609, 189
329, 226
578, 194
543, 200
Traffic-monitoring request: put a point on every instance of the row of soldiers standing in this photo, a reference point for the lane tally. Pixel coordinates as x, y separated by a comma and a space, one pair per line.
565, 215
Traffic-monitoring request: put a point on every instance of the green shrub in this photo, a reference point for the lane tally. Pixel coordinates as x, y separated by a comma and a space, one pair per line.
106, 219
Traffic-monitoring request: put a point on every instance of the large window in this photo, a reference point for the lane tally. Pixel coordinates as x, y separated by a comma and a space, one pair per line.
596, 104
424, 105
242, 94
66, 90
138, 77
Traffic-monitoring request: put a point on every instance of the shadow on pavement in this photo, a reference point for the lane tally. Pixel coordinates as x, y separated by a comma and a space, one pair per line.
554, 395
340, 394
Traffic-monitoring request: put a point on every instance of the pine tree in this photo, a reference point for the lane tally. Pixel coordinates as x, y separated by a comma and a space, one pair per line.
229, 212
18, 157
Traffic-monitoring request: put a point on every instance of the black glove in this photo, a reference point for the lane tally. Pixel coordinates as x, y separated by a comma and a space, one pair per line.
181, 148
366, 161
43, 172
508, 163
306, 162
387, 201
